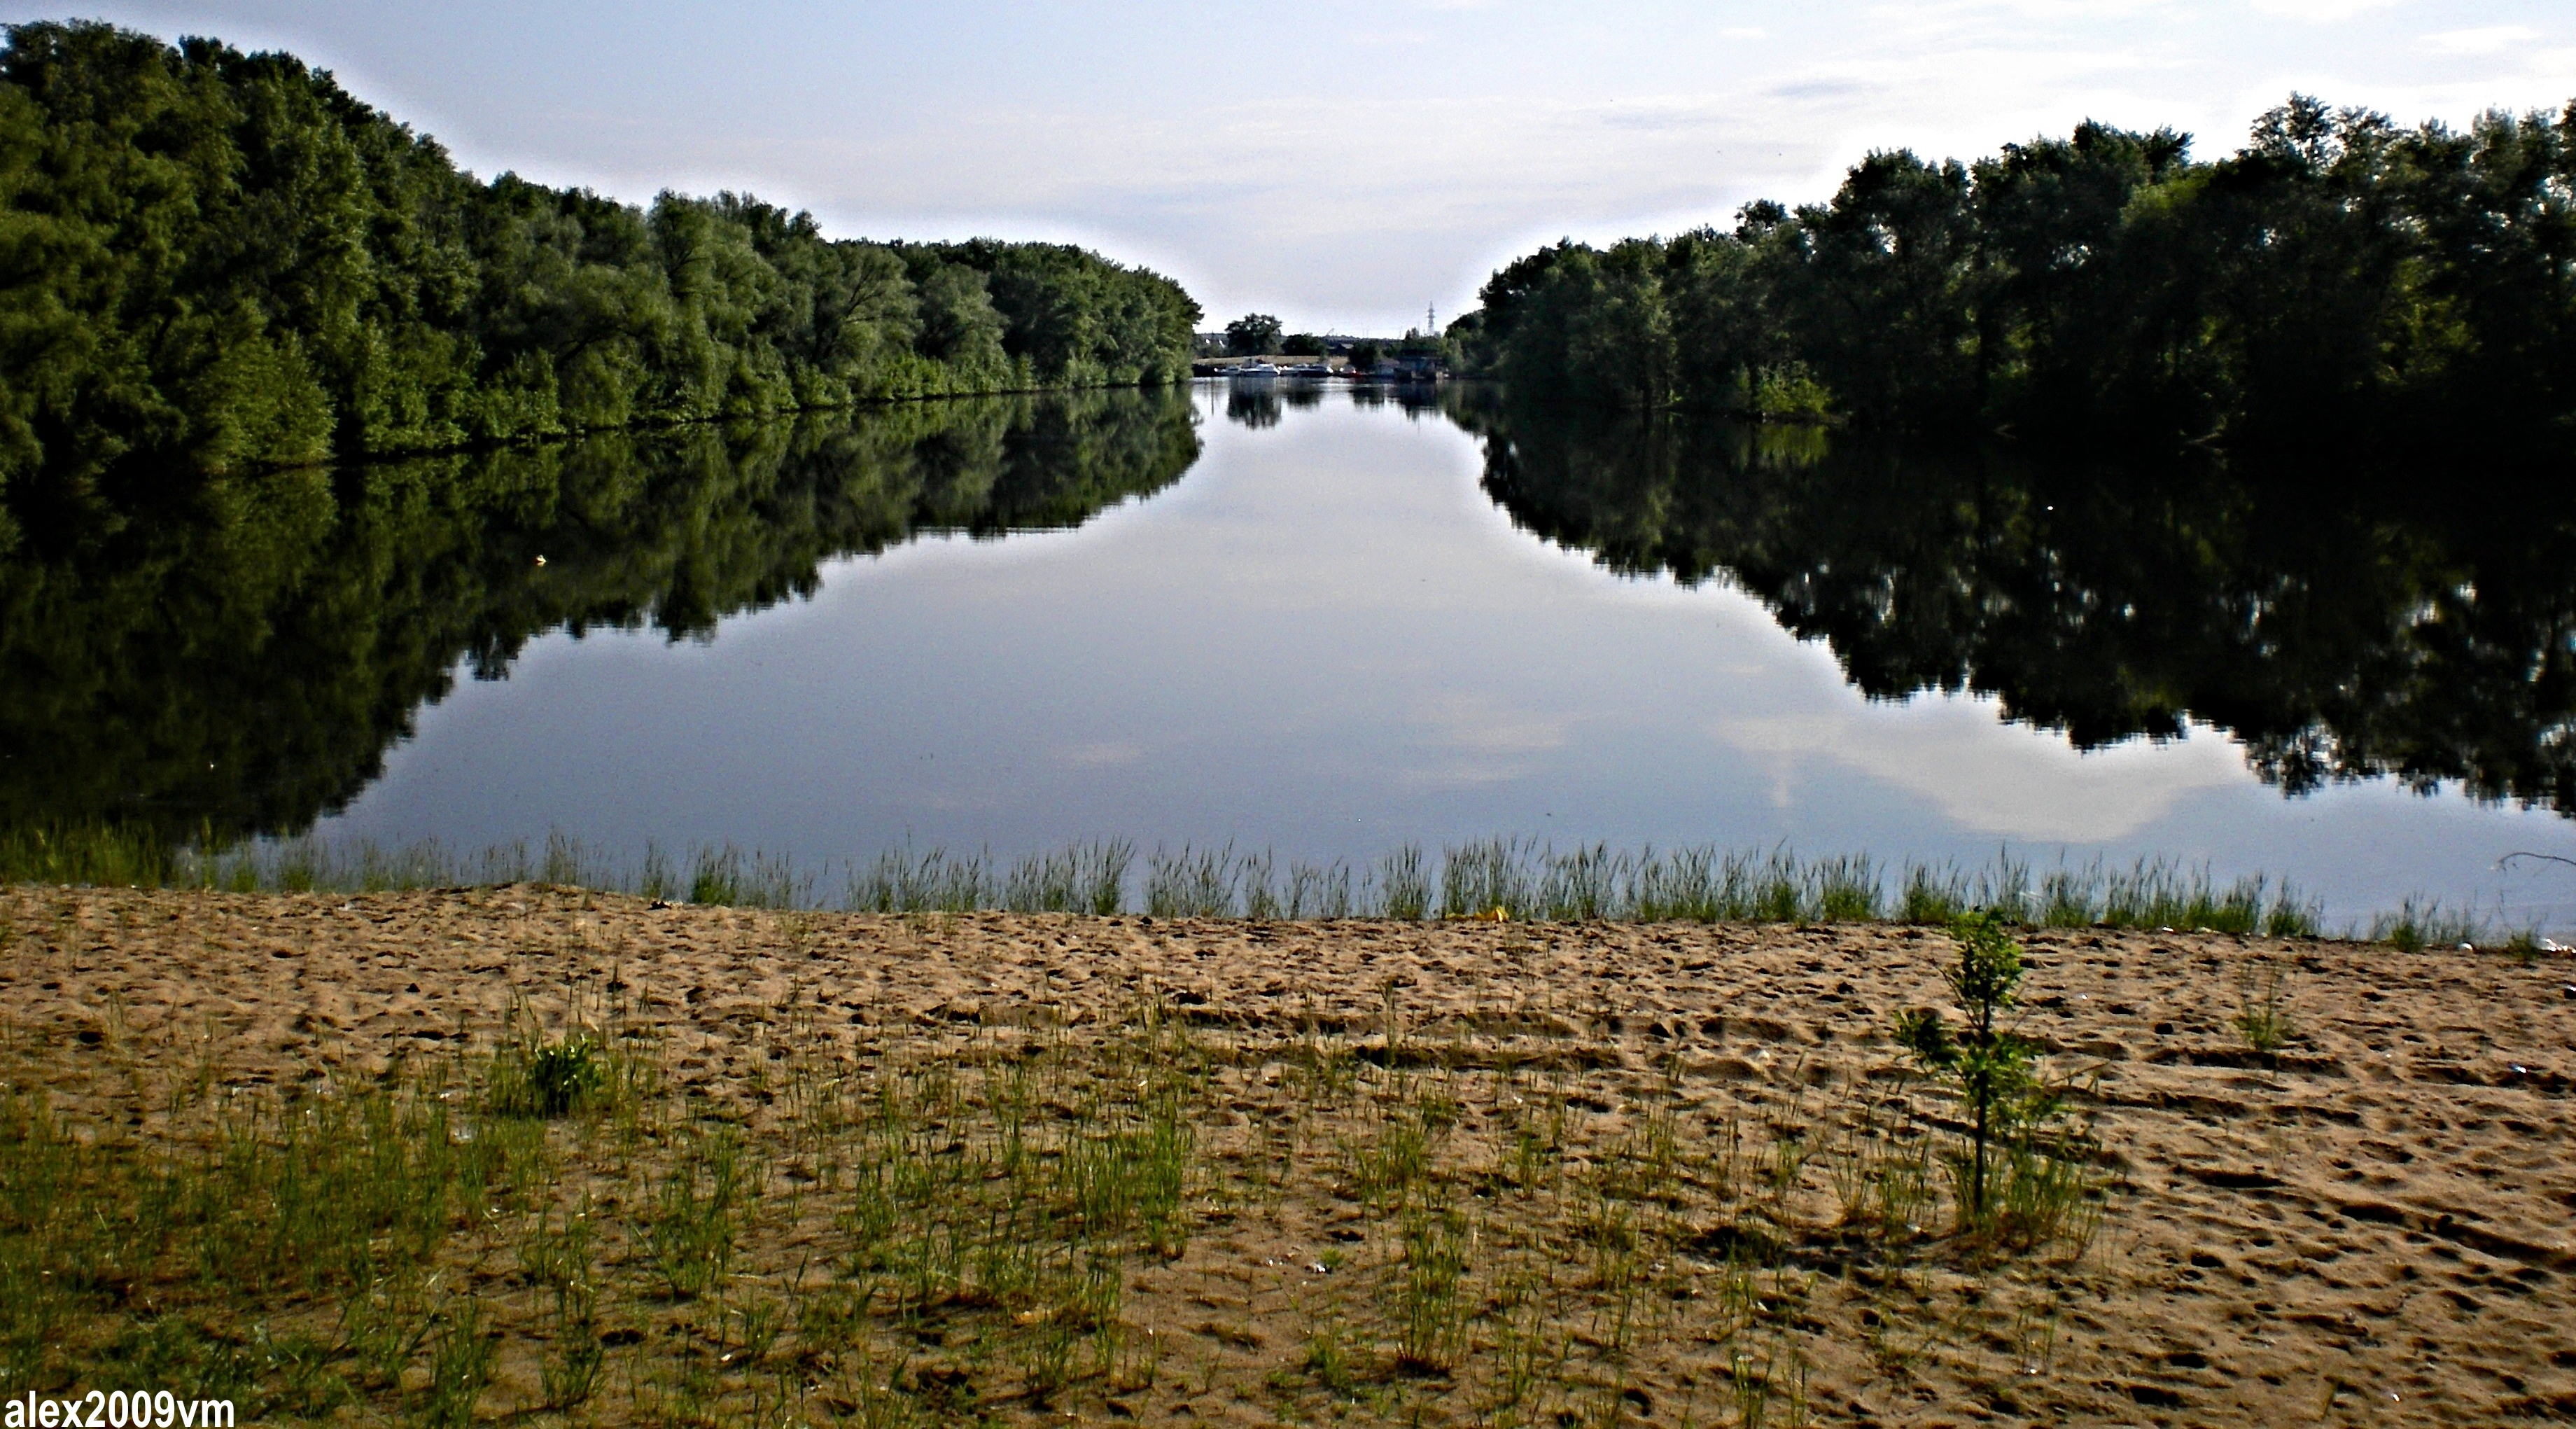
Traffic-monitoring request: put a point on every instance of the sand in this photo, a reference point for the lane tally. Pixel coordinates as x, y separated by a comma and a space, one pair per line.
2376, 1226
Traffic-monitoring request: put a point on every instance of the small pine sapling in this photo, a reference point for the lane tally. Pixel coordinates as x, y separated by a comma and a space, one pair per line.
1992, 1070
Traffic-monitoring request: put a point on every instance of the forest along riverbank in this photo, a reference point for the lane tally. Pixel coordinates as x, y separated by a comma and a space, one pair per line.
685, 1159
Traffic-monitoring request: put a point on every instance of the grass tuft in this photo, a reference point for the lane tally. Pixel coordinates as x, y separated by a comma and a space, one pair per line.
1516, 878
905, 881
1192, 883
1086, 877
1403, 886
546, 1079
2262, 1007
2420, 923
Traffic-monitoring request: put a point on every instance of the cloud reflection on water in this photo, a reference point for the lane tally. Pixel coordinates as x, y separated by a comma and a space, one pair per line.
1990, 776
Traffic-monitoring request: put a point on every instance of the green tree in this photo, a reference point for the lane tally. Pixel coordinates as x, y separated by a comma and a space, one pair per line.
1252, 334
213, 262
2337, 280
1877, 290
1992, 1069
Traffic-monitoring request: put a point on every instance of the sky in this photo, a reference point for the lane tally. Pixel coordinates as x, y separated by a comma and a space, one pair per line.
1346, 165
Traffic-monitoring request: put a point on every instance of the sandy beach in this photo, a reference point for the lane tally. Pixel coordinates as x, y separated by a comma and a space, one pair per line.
2374, 1224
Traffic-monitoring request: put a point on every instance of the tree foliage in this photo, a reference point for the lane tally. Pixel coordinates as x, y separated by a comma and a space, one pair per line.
1252, 334
212, 261
2338, 274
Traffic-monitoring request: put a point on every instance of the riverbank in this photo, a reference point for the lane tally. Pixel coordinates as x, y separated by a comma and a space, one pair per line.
821, 1165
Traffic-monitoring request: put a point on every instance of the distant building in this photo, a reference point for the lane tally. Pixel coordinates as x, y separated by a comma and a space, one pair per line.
1411, 358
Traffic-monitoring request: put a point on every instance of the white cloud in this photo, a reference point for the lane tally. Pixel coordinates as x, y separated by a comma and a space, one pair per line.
1990, 777
1475, 740
1106, 754
2323, 12
2491, 39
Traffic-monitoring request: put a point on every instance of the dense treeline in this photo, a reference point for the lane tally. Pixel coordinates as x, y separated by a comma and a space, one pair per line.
2343, 623
213, 261
235, 655
2337, 275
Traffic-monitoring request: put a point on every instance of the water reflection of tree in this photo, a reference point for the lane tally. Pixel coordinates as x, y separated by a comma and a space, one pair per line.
2342, 623
239, 657
1253, 403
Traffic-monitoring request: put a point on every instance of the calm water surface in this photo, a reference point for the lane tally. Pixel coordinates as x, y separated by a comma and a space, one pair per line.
1323, 627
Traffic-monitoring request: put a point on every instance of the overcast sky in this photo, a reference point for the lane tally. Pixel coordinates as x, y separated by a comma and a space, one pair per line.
1341, 163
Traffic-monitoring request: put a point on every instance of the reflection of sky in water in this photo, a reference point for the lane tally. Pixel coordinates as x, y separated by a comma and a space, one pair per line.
1326, 640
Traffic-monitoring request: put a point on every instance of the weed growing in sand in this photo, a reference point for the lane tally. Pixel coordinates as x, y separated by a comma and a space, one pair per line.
655, 880
1403, 885
1192, 883
2151, 893
115, 855
535, 1077
2425, 923
1779, 1371
460, 1365
690, 1223
905, 880
1525, 879
1257, 888
1582, 886
1431, 1312
1883, 1179
1080, 878
2523, 945
723, 877
2262, 1011
1320, 891
1846, 889
1487, 876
